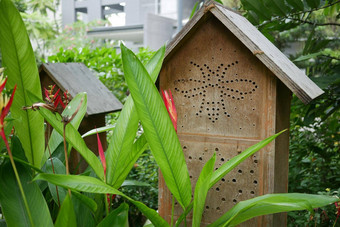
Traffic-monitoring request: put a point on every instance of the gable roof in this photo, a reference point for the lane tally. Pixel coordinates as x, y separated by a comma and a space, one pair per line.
76, 78
293, 77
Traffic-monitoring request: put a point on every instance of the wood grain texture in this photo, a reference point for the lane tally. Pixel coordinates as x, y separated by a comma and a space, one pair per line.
75, 78
226, 101
294, 78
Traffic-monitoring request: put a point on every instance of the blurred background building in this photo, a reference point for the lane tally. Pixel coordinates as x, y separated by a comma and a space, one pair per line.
139, 23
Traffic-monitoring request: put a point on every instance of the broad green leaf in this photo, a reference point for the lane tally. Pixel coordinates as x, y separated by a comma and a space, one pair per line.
84, 215
117, 218
158, 128
12, 205
277, 6
201, 191
21, 69
233, 162
271, 204
230, 165
93, 185
90, 203
99, 130
137, 149
72, 137
56, 139
296, 4
122, 153
258, 7
313, 3
66, 216
57, 168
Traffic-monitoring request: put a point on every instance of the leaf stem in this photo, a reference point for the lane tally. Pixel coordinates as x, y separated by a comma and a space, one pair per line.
65, 153
49, 151
172, 210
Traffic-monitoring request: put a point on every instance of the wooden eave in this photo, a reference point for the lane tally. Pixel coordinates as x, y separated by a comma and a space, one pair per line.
76, 78
293, 77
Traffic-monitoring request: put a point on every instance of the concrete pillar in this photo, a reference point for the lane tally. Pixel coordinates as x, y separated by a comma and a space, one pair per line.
68, 12
132, 12
94, 10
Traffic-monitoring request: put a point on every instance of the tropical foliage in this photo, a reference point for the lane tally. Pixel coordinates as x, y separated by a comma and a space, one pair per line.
38, 190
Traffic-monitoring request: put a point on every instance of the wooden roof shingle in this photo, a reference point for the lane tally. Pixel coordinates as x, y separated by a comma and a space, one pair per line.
76, 78
285, 70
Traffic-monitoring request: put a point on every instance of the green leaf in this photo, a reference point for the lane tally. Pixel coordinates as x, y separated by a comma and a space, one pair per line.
307, 57
117, 217
72, 137
271, 204
135, 183
277, 6
58, 168
258, 7
90, 203
158, 128
233, 162
21, 69
230, 165
193, 11
66, 216
56, 139
313, 3
296, 4
12, 204
93, 185
122, 153
201, 190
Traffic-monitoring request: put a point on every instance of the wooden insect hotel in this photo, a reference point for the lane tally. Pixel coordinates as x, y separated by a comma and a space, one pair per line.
232, 88
76, 78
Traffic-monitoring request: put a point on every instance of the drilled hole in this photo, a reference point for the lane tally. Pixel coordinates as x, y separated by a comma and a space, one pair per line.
240, 191
234, 201
223, 199
222, 159
239, 171
255, 181
190, 157
223, 179
233, 180
218, 189
251, 171
252, 192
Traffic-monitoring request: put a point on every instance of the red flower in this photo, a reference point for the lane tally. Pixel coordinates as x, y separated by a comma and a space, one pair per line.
5, 105
55, 99
170, 106
101, 154
337, 206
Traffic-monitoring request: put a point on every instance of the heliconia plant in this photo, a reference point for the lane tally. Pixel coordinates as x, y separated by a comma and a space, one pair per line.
84, 205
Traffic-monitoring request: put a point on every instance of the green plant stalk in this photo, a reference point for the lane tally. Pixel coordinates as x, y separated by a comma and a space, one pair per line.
66, 158
19, 182
49, 150
172, 210
106, 204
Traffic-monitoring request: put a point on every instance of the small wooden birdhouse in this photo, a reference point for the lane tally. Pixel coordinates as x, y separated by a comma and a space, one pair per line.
76, 78
232, 88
